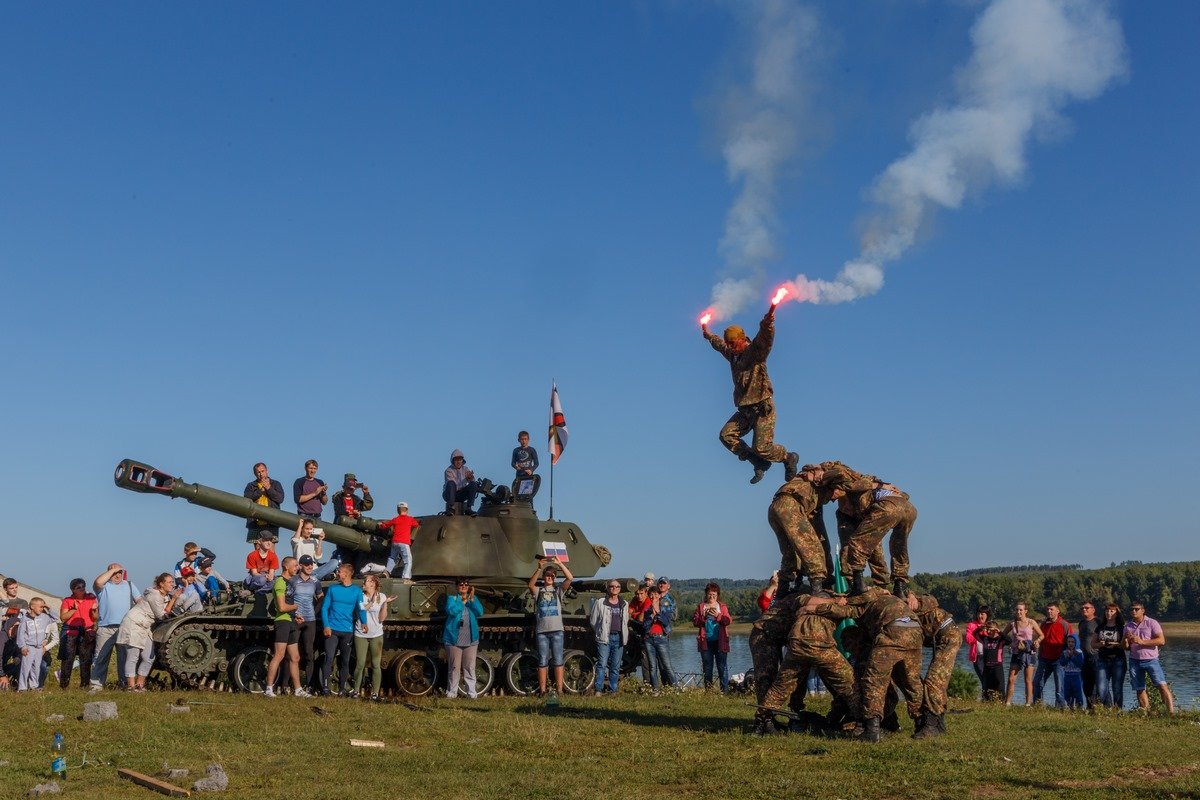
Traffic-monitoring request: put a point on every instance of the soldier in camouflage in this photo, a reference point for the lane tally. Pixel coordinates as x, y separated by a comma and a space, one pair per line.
878, 506
811, 645
768, 636
942, 634
895, 652
753, 396
795, 516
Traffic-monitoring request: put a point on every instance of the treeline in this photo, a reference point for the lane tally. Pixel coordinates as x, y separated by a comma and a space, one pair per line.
1171, 591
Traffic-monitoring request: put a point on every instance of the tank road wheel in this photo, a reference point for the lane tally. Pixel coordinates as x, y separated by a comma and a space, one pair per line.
415, 673
485, 676
249, 669
579, 671
190, 654
520, 673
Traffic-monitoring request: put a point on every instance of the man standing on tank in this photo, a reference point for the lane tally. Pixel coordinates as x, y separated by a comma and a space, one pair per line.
310, 492
265, 491
753, 396
346, 503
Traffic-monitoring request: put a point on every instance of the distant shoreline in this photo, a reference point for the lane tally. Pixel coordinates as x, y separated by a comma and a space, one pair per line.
1185, 630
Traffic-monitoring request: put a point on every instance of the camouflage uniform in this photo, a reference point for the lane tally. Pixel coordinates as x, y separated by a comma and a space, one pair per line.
793, 512
752, 394
895, 637
943, 635
878, 507
811, 644
768, 635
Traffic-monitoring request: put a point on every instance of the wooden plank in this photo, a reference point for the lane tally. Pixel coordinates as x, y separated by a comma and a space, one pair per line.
161, 787
366, 743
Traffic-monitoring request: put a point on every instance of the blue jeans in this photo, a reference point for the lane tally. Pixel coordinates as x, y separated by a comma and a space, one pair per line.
710, 653
1140, 668
550, 644
608, 658
1046, 666
466, 495
403, 554
1073, 690
329, 567
1110, 681
657, 650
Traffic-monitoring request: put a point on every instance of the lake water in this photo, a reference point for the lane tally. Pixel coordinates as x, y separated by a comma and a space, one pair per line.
1180, 660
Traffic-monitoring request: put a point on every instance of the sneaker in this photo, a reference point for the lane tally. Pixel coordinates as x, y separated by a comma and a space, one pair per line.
269, 692
301, 694
374, 698
95, 688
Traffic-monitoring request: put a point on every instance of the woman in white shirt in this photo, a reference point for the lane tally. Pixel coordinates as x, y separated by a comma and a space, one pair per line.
368, 635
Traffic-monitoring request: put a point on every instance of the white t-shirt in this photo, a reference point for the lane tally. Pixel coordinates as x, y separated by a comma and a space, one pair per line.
374, 626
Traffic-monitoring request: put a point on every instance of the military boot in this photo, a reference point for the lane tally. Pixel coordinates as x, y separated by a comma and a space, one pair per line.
890, 722
790, 466
900, 588
764, 725
933, 727
920, 723
816, 587
760, 468
871, 730
857, 584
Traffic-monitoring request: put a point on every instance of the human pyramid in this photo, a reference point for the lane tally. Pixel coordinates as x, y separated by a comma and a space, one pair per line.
796, 632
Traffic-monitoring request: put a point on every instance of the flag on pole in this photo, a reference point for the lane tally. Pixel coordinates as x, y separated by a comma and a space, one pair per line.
558, 427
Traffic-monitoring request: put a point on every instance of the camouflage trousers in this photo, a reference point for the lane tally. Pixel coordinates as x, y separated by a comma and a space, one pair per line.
766, 653
895, 655
937, 677
759, 418
891, 513
880, 574
792, 681
800, 548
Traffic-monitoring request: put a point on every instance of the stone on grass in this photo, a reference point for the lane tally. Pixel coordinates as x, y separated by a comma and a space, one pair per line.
174, 709
45, 788
215, 780
54, 718
99, 710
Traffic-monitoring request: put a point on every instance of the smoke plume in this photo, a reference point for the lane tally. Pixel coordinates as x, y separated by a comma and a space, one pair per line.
1030, 59
760, 131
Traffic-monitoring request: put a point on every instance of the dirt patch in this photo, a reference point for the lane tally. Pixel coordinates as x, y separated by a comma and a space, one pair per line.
989, 790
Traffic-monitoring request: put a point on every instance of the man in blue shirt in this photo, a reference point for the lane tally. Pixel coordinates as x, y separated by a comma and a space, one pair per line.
117, 595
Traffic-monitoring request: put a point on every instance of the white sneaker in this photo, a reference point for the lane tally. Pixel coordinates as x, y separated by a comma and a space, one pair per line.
301, 693
269, 692
95, 689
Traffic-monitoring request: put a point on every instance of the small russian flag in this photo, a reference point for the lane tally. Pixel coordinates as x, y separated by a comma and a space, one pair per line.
558, 549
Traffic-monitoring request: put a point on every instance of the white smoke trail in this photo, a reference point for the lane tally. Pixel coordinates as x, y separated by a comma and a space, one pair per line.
1031, 58
761, 127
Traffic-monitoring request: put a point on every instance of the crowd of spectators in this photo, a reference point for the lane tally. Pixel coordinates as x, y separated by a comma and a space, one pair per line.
1086, 661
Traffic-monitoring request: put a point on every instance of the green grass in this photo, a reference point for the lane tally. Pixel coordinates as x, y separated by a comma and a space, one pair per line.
690, 745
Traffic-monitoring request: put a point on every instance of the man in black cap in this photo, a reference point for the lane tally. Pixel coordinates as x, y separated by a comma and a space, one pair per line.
346, 503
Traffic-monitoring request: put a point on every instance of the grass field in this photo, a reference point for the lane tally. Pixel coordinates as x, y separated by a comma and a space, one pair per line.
689, 745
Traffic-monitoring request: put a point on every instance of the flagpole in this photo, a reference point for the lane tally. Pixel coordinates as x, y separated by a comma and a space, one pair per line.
551, 454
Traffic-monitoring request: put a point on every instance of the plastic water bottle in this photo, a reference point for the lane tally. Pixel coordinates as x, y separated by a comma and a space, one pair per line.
552, 700
58, 764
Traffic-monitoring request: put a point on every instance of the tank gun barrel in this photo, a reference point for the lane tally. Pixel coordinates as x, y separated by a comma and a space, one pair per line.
145, 479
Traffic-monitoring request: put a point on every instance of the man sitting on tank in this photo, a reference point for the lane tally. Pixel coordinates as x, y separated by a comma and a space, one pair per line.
460, 485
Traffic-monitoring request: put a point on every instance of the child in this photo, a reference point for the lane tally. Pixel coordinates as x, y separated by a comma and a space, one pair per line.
403, 528
1071, 663
524, 457
992, 642
37, 634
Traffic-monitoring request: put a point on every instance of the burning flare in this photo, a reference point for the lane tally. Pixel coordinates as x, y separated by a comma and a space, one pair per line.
780, 293
706, 317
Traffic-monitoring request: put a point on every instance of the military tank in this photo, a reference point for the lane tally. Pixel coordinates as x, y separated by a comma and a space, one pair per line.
228, 644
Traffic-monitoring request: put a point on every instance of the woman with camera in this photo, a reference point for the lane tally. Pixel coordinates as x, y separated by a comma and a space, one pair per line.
461, 637
712, 618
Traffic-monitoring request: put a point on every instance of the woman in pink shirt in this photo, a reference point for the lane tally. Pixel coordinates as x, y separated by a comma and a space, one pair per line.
1024, 636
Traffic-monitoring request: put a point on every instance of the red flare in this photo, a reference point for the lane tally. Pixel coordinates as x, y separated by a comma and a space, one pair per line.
780, 293
706, 318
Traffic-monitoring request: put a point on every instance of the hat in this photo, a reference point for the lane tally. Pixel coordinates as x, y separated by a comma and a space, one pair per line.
402, 504
266, 536
456, 453
349, 476
305, 560
734, 333
664, 579
205, 563
649, 576
186, 572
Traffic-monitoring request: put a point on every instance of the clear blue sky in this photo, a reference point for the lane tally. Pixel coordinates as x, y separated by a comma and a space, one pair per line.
372, 234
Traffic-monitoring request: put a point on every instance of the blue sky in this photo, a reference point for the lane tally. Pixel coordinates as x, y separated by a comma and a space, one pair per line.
236, 233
